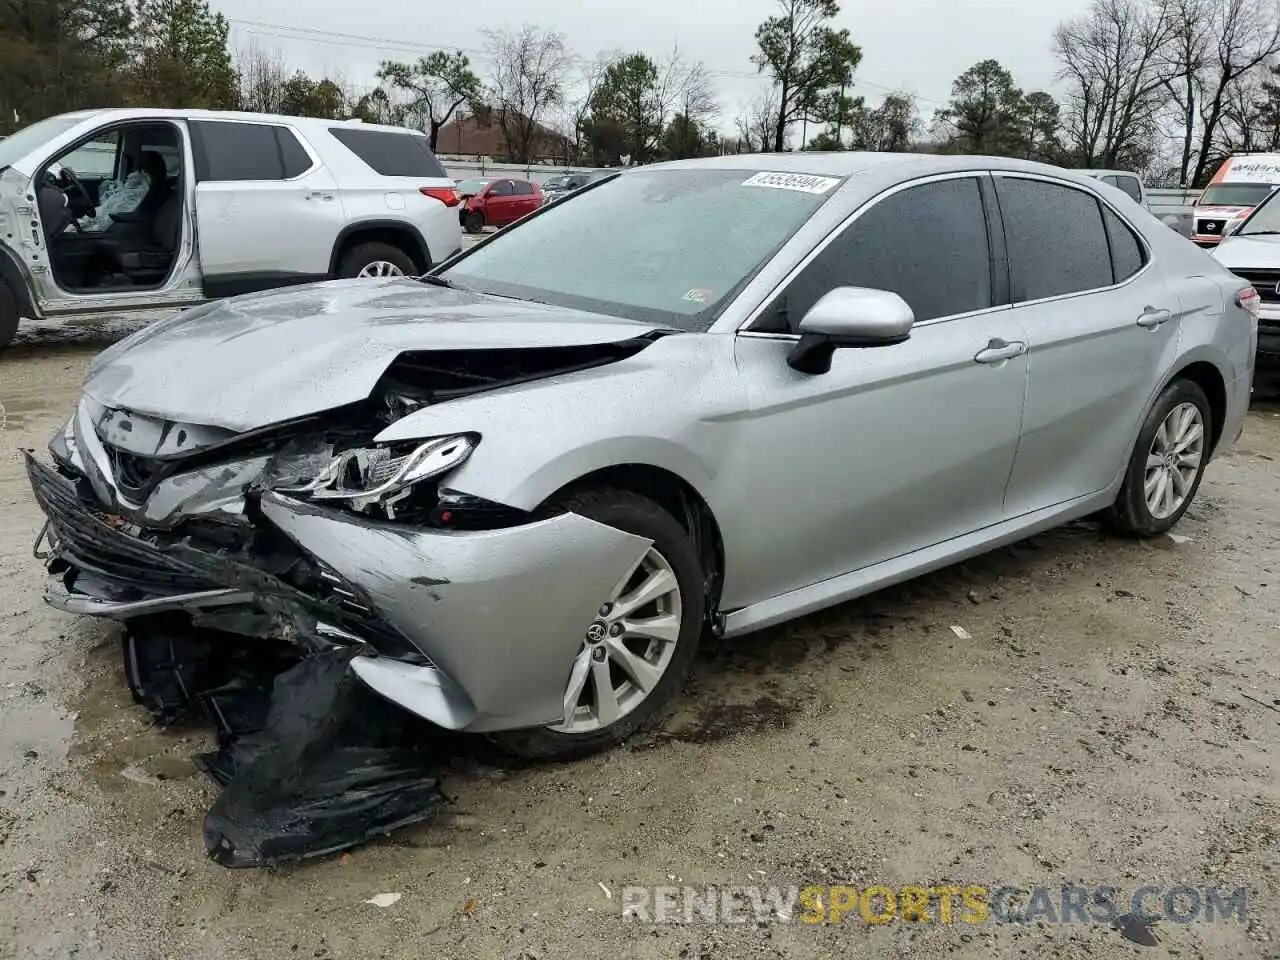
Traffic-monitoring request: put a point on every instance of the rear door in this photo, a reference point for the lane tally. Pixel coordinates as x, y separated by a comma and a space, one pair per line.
1101, 326
267, 212
527, 199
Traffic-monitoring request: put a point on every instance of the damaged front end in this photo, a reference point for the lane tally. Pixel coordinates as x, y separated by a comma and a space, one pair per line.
354, 555
464, 611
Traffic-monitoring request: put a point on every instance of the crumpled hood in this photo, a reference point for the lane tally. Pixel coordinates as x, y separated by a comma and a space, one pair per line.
267, 358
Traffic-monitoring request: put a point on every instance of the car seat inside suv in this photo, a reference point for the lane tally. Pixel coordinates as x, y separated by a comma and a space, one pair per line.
139, 246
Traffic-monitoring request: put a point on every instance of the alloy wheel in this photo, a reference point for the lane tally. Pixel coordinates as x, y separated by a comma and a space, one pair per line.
627, 648
1173, 462
380, 268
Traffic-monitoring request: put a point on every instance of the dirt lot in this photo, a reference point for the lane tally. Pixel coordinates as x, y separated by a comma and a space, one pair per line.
1096, 728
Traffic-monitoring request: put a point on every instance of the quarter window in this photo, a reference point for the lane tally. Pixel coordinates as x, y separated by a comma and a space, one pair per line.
1127, 256
391, 154
928, 244
1057, 243
1130, 186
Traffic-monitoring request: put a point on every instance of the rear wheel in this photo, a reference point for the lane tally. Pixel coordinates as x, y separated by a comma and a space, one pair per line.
376, 260
1167, 464
8, 314
639, 648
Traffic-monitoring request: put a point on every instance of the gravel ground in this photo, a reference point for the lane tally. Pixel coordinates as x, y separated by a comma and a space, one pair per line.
1110, 719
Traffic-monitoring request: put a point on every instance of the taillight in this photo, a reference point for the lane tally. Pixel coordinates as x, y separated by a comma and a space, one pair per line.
446, 195
1248, 299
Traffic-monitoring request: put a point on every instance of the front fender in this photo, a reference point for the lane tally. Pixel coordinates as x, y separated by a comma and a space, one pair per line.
673, 406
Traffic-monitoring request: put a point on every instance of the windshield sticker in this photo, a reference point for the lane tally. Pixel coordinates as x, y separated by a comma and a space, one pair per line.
803, 182
697, 295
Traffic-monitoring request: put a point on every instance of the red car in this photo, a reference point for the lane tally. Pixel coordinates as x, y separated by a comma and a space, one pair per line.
496, 203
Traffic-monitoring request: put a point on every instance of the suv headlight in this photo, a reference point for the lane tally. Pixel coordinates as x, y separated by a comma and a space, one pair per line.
368, 475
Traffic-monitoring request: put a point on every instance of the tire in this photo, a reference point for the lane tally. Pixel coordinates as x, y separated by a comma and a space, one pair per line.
640, 516
8, 315
363, 255
473, 221
1131, 514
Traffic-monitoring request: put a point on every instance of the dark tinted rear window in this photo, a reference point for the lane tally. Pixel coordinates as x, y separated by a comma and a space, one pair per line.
235, 151
1057, 244
390, 154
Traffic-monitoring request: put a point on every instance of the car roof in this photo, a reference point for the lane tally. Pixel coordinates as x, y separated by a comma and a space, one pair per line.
146, 113
1093, 172
849, 162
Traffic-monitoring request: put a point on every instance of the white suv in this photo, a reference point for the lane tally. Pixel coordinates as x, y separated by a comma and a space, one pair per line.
120, 211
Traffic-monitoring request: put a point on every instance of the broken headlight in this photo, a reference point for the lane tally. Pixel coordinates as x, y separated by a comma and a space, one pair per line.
364, 476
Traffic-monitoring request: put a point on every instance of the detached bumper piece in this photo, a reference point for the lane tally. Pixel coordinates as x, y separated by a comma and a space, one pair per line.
311, 761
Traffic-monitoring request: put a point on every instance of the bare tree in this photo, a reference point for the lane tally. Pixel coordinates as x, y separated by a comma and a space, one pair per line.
758, 126
575, 121
1245, 35
529, 70
263, 74
1115, 65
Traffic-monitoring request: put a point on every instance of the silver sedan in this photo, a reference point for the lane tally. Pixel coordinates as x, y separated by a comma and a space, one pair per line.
706, 396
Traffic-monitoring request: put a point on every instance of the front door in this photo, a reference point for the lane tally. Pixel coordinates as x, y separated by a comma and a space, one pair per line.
70, 279
501, 204
268, 213
896, 448
1100, 328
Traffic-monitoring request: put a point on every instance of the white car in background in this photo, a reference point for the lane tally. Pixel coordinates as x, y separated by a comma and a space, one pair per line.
218, 204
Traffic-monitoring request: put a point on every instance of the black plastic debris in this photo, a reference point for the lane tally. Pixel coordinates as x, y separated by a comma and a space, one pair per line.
1136, 931
310, 760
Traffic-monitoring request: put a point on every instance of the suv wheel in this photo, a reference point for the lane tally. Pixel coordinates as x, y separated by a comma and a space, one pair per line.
1167, 464
376, 260
638, 650
8, 314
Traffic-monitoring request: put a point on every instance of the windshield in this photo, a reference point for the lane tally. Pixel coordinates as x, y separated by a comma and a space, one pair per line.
555, 183
14, 148
1235, 194
1265, 219
660, 246
472, 186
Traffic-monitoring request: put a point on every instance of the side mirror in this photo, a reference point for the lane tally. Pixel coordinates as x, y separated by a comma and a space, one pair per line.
849, 317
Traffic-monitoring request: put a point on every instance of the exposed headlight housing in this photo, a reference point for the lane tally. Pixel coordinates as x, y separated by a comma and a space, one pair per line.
365, 476
63, 445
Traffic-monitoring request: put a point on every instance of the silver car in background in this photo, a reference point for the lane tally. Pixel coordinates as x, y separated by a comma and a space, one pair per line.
524, 486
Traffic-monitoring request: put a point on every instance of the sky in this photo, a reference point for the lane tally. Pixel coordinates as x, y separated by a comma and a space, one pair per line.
916, 45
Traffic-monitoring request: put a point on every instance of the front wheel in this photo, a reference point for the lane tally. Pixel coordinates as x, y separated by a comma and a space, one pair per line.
1167, 464
473, 221
636, 653
8, 315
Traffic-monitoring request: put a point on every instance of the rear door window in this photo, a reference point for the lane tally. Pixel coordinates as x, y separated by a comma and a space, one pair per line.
928, 244
228, 151
524, 188
293, 156
391, 154
1056, 239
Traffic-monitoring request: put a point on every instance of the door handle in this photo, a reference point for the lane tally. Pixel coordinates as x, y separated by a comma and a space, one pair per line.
997, 351
1150, 318
319, 196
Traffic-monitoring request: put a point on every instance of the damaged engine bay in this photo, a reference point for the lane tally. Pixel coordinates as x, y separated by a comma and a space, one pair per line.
195, 537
